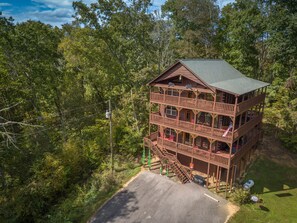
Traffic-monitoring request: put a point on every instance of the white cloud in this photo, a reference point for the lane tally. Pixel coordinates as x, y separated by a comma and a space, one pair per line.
54, 12
55, 3
3, 4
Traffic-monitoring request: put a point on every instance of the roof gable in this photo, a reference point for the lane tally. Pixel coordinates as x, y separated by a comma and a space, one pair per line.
176, 70
218, 74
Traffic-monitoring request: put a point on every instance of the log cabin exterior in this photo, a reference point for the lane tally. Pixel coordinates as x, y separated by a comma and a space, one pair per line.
205, 116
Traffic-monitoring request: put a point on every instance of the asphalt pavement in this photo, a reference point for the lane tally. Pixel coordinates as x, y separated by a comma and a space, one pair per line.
157, 199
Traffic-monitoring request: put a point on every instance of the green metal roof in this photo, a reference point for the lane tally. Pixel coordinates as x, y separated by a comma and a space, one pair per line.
221, 75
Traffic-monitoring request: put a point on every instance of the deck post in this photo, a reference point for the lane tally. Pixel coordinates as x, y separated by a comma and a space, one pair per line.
193, 141
217, 178
231, 145
220, 174
178, 115
195, 118
231, 180
207, 180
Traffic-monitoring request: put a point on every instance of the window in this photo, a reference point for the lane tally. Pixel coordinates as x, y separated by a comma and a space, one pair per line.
202, 142
170, 133
201, 96
198, 141
178, 79
172, 92
209, 97
204, 118
187, 138
191, 94
188, 116
205, 144
208, 119
171, 111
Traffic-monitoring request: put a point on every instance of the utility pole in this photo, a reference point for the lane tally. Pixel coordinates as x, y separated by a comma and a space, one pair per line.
109, 116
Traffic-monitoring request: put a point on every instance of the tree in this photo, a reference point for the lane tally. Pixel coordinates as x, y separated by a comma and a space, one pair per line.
195, 23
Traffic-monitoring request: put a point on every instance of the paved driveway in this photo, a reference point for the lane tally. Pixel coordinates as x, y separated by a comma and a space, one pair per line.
154, 198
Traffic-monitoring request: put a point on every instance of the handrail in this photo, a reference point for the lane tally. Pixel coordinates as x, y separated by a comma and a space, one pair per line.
196, 152
198, 129
245, 105
171, 160
246, 127
205, 105
251, 142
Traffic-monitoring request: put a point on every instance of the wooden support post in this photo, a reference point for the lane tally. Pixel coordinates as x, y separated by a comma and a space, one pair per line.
220, 174
207, 180
231, 180
150, 112
214, 101
217, 178
193, 142
195, 118
179, 95
240, 119
212, 122
196, 98
178, 114
164, 92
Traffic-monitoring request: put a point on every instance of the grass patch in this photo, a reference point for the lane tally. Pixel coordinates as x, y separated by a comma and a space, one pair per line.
277, 186
85, 200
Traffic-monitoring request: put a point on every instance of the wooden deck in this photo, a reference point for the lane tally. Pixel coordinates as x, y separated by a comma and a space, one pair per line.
219, 158
205, 105
202, 130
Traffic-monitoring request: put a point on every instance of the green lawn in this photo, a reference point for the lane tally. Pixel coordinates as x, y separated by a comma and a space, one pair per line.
277, 186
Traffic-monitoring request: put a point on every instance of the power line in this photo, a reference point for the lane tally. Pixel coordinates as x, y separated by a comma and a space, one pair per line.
51, 127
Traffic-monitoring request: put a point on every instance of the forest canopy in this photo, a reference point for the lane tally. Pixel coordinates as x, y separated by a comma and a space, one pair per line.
55, 84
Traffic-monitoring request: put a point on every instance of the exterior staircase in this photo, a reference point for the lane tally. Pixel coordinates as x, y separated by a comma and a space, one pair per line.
170, 160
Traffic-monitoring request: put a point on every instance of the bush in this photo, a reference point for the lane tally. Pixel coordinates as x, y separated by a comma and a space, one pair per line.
240, 196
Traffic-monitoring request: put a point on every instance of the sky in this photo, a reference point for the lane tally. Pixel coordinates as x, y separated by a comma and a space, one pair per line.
54, 12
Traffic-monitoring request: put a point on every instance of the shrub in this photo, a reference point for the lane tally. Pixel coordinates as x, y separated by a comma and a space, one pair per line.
240, 196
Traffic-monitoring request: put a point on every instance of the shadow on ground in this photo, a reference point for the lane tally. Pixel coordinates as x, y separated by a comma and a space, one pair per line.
120, 206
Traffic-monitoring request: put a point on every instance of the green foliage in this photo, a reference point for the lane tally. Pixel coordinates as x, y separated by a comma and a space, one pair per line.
195, 25
271, 179
57, 81
240, 196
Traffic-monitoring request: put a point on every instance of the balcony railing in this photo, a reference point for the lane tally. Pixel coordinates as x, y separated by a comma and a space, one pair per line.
190, 127
204, 105
243, 106
192, 103
203, 154
193, 151
247, 126
251, 142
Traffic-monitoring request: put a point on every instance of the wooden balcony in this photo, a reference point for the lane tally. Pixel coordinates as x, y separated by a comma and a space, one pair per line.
247, 126
204, 105
196, 129
217, 158
196, 153
245, 105
245, 148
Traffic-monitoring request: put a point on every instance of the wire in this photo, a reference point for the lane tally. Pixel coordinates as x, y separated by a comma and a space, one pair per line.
44, 129
56, 115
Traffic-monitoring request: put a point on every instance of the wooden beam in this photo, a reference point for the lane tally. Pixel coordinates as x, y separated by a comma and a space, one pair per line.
207, 180
217, 177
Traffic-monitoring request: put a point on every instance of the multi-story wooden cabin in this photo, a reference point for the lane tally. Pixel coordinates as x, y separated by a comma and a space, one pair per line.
205, 116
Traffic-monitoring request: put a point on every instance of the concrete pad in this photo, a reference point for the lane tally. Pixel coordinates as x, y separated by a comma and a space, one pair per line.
154, 198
